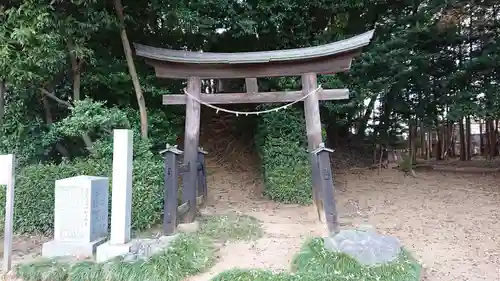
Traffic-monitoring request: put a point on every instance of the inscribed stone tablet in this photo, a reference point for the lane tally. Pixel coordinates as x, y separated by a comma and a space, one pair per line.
81, 209
99, 211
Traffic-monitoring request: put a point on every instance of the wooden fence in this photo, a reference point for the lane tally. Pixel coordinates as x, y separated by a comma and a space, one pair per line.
173, 169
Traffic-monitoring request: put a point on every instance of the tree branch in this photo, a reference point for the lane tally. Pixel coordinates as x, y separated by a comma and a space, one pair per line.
48, 116
52, 96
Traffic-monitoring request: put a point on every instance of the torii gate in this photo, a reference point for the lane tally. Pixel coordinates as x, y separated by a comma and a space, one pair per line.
307, 62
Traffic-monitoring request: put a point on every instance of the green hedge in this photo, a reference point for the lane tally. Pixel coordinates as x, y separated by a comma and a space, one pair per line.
34, 190
282, 145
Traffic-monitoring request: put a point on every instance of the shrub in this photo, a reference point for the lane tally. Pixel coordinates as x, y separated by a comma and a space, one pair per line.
34, 190
186, 256
282, 145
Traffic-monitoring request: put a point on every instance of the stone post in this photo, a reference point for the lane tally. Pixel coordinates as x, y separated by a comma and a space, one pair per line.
121, 201
7, 171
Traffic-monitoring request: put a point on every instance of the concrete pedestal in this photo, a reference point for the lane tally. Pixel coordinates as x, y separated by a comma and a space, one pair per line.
108, 251
55, 248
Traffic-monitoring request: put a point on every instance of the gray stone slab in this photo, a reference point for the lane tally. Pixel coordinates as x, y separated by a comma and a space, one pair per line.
367, 247
80, 216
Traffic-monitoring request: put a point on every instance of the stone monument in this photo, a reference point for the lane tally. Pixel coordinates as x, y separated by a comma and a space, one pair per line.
80, 216
121, 200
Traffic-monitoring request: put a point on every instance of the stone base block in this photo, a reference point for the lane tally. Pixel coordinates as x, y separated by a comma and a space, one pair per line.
108, 251
137, 249
367, 247
188, 227
53, 249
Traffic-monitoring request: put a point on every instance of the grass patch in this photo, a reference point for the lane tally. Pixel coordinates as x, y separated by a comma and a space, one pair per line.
230, 227
313, 262
187, 255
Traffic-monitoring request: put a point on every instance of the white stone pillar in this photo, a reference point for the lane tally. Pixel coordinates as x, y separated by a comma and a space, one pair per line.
121, 200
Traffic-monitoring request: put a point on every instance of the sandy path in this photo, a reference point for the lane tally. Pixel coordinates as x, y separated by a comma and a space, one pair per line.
451, 222
286, 226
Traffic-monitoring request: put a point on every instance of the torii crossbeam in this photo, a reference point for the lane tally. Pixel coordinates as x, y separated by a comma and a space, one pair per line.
307, 62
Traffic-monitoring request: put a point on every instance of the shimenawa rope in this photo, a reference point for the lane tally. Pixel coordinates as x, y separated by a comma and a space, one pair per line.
246, 113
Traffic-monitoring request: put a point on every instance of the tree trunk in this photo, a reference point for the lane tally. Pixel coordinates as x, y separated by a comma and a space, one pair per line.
481, 140
429, 143
75, 67
496, 138
2, 100
439, 144
468, 139
463, 150
422, 140
360, 135
453, 142
48, 119
487, 147
131, 67
412, 141
492, 137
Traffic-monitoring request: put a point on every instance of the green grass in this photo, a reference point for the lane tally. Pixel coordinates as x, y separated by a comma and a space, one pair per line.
188, 255
230, 227
313, 263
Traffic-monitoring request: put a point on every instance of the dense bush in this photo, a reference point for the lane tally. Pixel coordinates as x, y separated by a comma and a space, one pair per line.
282, 145
34, 190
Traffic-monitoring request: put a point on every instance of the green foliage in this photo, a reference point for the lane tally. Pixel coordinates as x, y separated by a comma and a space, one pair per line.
283, 150
315, 263
230, 227
263, 275
35, 184
164, 126
22, 134
88, 116
186, 256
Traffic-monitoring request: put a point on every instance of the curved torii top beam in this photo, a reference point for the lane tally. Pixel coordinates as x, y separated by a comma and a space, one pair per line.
324, 59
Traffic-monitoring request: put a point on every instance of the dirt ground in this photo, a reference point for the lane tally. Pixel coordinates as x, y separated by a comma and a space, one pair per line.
450, 221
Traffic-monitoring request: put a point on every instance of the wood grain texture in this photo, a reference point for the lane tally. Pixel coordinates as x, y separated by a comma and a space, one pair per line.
327, 188
251, 85
263, 97
354, 43
326, 65
171, 183
191, 139
314, 138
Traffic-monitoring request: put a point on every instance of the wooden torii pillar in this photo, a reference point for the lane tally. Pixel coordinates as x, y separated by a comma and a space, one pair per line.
307, 62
